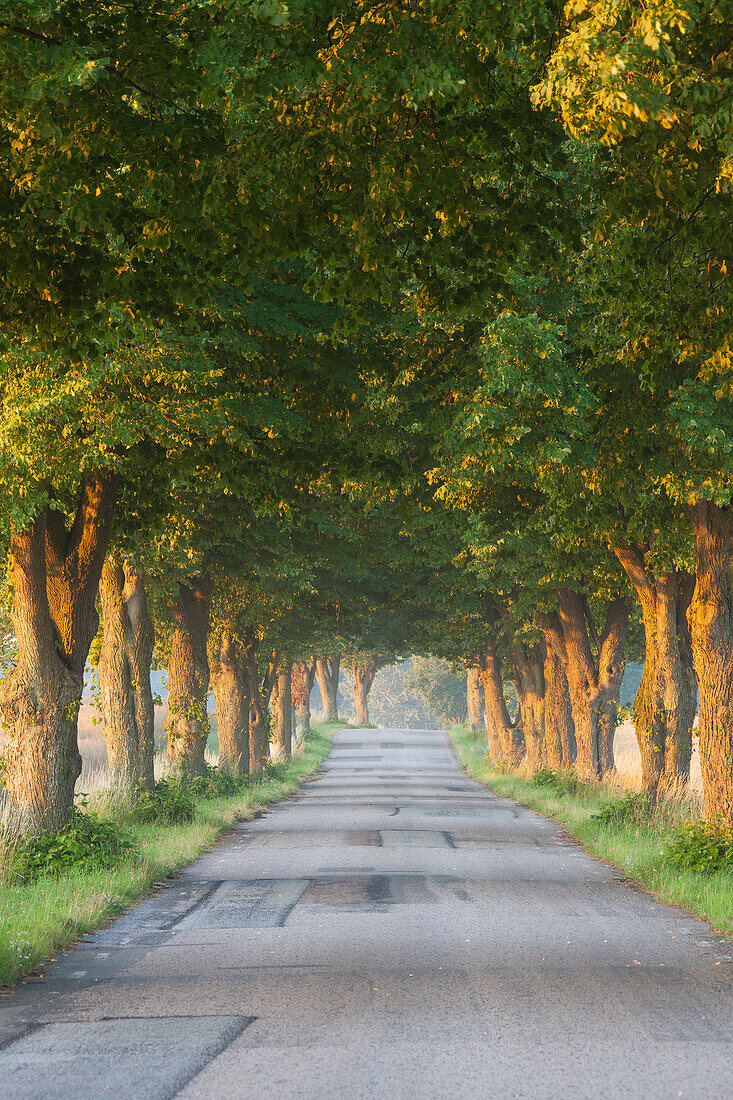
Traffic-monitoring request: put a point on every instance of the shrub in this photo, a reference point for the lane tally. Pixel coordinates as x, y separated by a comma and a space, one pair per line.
545, 777
565, 782
217, 783
702, 846
86, 843
170, 803
632, 809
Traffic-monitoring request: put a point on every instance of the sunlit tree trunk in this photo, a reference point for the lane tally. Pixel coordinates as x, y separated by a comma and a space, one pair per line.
303, 676
665, 704
327, 675
282, 702
55, 573
559, 730
474, 699
232, 699
594, 680
505, 737
527, 663
363, 672
128, 716
259, 723
187, 722
711, 625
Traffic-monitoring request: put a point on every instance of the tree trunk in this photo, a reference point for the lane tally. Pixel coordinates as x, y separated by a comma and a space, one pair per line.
529, 680
282, 703
259, 725
363, 673
504, 736
231, 696
302, 680
128, 716
327, 675
559, 730
474, 693
55, 573
187, 721
594, 681
665, 703
711, 626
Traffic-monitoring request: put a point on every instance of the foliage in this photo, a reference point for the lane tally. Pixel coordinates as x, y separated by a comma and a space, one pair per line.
217, 783
86, 843
631, 809
703, 846
442, 691
171, 802
560, 782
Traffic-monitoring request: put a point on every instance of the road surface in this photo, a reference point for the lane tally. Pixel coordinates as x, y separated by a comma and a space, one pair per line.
394, 930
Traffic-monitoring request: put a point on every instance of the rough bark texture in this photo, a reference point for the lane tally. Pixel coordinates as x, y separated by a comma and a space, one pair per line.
128, 716
232, 698
594, 680
529, 680
55, 573
282, 712
665, 704
474, 699
303, 676
327, 675
187, 723
363, 673
259, 725
559, 729
504, 736
711, 626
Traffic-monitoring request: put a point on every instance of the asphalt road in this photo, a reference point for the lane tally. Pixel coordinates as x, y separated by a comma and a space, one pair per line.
397, 931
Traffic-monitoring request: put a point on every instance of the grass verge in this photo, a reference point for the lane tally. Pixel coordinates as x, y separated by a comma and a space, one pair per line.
45, 916
636, 846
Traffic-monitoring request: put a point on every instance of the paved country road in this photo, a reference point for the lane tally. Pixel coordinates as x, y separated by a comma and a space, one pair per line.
394, 930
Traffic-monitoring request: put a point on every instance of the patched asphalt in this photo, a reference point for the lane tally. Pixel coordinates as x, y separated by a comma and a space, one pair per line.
394, 930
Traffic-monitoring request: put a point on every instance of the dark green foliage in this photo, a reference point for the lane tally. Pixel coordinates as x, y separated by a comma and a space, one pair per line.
703, 846
631, 809
86, 843
171, 803
563, 782
545, 777
217, 783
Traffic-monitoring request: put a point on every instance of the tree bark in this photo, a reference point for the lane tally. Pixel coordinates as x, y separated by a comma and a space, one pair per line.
665, 703
232, 699
303, 676
259, 725
711, 626
282, 703
327, 675
559, 729
474, 693
128, 716
504, 736
363, 673
55, 573
187, 722
594, 681
529, 680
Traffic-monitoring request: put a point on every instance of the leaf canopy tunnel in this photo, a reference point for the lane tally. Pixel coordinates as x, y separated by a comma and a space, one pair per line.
333, 333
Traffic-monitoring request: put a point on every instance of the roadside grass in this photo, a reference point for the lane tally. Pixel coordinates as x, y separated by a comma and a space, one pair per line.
44, 916
638, 847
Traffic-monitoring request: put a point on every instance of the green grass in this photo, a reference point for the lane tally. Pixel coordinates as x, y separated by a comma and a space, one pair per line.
45, 916
639, 848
